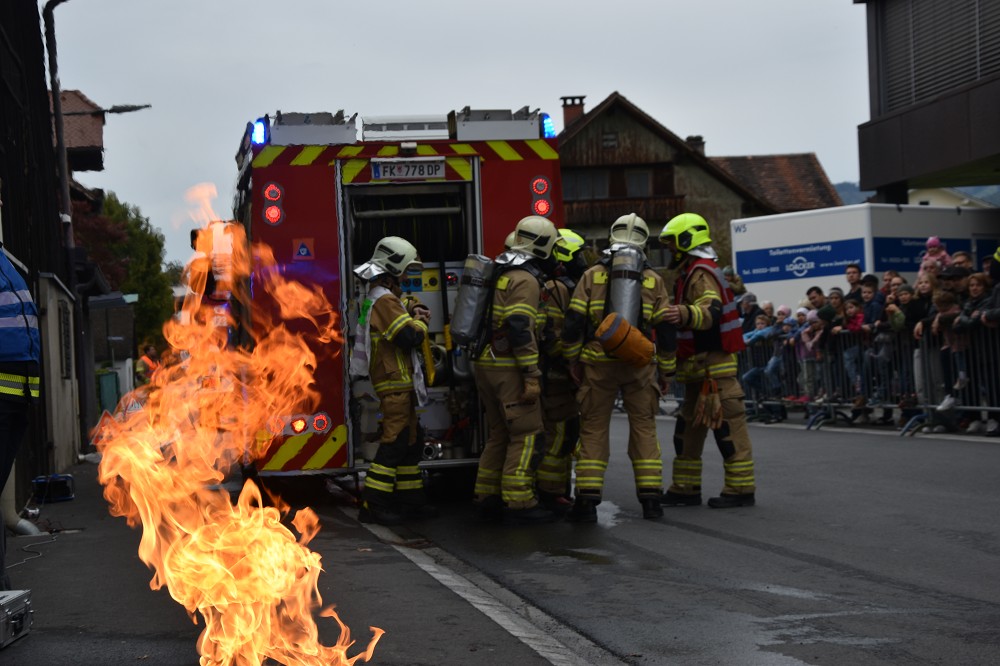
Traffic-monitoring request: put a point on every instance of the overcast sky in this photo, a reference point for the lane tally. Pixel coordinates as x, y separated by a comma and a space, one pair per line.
753, 77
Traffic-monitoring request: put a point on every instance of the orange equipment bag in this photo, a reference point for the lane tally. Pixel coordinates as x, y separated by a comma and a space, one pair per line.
623, 341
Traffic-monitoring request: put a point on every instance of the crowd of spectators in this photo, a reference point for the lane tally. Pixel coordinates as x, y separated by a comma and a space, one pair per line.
884, 344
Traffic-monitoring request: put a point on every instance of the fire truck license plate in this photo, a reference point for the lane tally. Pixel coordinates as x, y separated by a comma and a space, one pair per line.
407, 169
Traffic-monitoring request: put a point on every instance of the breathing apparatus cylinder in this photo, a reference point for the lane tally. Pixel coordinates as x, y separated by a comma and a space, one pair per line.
474, 291
625, 289
623, 341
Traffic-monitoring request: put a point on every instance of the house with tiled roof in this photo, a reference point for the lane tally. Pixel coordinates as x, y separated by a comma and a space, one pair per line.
83, 131
617, 159
789, 182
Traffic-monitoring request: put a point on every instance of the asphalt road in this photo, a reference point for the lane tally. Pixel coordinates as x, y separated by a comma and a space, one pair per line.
864, 548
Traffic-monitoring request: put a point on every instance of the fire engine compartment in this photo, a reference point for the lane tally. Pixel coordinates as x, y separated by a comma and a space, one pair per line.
321, 190
438, 219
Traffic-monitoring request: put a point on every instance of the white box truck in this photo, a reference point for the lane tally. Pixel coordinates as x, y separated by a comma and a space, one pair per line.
779, 257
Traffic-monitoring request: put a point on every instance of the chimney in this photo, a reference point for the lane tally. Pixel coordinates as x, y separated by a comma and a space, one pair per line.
696, 143
572, 109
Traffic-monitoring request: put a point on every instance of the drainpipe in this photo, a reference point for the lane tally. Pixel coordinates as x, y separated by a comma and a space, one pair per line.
66, 218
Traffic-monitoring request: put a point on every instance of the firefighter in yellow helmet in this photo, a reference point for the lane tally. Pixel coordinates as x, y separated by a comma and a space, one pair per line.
508, 378
387, 349
560, 411
620, 288
709, 337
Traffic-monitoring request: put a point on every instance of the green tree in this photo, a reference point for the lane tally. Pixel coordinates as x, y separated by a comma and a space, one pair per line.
130, 242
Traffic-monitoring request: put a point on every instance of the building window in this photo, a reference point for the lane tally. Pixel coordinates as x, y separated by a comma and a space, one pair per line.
582, 185
638, 183
65, 341
609, 140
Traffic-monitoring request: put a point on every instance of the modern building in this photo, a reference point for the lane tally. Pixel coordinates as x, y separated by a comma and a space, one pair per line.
934, 89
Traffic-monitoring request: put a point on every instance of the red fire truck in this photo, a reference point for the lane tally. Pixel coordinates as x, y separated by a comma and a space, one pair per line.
321, 189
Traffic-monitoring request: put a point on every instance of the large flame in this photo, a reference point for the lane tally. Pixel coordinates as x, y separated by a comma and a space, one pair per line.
238, 567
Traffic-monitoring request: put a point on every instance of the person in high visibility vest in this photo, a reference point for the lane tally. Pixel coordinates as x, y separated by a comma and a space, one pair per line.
709, 336
20, 352
147, 364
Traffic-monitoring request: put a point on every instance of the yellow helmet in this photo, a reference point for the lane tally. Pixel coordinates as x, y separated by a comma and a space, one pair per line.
630, 229
567, 245
687, 231
535, 235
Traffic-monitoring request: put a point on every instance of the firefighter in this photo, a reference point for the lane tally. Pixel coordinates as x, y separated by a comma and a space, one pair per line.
560, 411
387, 348
602, 376
508, 379
709, 337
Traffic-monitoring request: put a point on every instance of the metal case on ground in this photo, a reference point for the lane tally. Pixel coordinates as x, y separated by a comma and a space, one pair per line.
15, 615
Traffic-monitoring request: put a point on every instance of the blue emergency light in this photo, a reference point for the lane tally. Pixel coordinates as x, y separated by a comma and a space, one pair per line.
259, 134
548, 127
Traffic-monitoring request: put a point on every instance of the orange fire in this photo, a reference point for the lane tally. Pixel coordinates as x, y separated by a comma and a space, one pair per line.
238, 567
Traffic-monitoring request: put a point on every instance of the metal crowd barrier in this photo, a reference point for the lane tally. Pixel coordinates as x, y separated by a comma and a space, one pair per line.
941, 383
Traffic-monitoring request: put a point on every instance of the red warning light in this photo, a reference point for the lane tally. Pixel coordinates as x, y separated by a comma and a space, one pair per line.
542, 207
321, 423
272, 192
274, 215
276, 424
451, 278
540, 186
298, 425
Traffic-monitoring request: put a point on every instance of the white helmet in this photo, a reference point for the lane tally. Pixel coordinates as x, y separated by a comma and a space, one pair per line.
508, 242
392, 255
535, 235
629, 229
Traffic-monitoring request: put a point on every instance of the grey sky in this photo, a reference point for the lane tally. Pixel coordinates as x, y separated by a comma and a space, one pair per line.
754, 77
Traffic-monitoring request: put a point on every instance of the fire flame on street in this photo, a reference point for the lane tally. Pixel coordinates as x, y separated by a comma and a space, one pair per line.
207, 411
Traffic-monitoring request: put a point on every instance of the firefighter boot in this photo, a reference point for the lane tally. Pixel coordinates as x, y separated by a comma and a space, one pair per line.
651, 508
584, 510
490, 509
535, 515
419, 511
372, 513
677, 499
727, 501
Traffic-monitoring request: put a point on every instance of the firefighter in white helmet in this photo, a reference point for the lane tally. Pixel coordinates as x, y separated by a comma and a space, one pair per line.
387, 349
508, 378
603, 374
709, 337
560, 411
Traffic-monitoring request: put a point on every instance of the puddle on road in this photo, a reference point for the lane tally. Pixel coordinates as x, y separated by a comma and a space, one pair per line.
583, 555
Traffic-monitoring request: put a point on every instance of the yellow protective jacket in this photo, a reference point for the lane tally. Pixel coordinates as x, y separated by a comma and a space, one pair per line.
391, 363
586, 311
703, 311
517, 314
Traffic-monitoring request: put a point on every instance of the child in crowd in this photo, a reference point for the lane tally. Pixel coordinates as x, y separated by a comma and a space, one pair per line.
968, 324
953, 344
807, 351
849, 336
935, 253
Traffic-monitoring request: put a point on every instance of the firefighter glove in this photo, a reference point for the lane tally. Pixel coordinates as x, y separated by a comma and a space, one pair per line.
663, 381
708, 408
532, 389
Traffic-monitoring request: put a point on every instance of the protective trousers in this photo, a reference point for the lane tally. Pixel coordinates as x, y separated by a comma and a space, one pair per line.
601, 384
562, 434
394, 479
513, 427
732, 439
